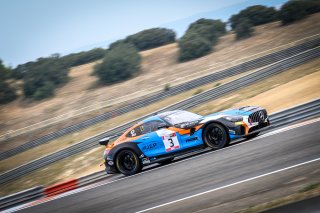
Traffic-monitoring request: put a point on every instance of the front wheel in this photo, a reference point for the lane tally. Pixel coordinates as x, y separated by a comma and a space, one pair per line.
128, 163
215, 136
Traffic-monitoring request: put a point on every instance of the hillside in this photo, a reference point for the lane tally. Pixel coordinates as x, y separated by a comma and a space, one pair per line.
159, 67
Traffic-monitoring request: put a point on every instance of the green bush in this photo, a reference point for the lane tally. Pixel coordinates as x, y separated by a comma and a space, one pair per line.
148, 39
208, 29
119, 64
297, 9
256, 15
45, 91
199, 38
193, 45
116, 43
166, 87
43, 76
7, 93
244, 29
313, 6
76, 59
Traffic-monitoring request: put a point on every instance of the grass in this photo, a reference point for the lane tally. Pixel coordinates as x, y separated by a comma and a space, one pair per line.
309, 191
70, 167
310, 187
157, 65
274, 93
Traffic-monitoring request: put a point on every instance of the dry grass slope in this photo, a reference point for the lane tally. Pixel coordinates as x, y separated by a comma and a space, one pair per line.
159, 66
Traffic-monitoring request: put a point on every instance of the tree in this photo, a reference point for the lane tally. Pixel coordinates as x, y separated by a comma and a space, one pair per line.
193, 45
46, 90
199, 38
147, 39
244, 29
76, 59
208, 29
7, 93
219, 26
119, 64
312, 6
43, 76
116, 43
257, 15
295, 10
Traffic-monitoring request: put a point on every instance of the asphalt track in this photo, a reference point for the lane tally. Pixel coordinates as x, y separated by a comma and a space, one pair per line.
248, 173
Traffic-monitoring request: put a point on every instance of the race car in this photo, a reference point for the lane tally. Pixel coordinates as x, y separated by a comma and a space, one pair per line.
162, 137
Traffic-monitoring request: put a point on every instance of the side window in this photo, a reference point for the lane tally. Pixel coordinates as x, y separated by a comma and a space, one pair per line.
155, 124
147, 127
144, 129
134, 132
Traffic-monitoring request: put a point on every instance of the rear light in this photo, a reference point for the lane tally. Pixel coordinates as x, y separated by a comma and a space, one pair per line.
105, 153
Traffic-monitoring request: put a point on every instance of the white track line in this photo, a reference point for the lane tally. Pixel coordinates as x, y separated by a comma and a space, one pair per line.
232, 184
180, 161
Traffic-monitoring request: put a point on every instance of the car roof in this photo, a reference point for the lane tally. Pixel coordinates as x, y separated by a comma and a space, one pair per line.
159, 116
152, 118
164, 114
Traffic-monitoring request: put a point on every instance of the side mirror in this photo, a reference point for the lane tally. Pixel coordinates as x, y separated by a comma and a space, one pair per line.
104, 141
163, 125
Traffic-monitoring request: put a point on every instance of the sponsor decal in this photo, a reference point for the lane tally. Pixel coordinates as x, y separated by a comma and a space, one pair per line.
149, 146
192, 139
232, 131
145, 160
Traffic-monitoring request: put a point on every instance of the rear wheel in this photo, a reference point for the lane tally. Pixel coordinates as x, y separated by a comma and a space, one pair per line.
128, 163
215, 136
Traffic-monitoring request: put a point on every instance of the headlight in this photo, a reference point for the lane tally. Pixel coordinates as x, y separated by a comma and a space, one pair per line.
233, 118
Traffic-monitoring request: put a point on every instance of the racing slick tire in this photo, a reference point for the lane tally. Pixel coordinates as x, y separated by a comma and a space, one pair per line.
252, 135
215, 136
128, 163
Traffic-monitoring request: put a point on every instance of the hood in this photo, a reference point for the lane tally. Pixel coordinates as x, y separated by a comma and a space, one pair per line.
241, 111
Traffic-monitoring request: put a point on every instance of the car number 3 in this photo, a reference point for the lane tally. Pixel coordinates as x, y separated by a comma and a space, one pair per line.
170, 142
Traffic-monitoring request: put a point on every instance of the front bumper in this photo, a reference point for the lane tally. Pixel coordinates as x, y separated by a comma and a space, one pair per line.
259, 127
241, 129
110, 169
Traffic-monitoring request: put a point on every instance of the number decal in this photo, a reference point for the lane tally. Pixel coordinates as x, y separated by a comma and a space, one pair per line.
170, 142
133, 133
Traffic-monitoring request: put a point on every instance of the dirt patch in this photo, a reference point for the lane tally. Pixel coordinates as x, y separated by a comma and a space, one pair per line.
284, 96
297, 85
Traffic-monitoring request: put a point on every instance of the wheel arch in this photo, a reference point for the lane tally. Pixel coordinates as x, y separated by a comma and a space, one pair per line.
216, 122
126, 146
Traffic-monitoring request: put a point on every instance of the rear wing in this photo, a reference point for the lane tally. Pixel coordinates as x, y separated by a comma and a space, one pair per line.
106, 140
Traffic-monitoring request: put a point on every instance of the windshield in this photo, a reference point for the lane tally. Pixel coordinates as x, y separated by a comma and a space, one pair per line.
177, 117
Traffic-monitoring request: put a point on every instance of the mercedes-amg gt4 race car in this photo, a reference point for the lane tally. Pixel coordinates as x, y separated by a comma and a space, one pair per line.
160, 138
